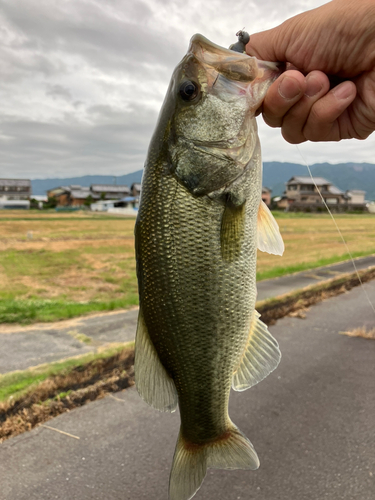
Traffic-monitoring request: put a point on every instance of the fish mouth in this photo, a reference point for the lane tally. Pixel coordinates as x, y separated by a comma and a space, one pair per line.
235, 66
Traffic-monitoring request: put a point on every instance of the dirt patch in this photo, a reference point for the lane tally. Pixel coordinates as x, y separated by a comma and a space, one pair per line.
79, 284
63, 244
62, 393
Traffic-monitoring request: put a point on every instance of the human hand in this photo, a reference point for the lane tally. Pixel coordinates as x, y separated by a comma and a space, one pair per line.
337, 39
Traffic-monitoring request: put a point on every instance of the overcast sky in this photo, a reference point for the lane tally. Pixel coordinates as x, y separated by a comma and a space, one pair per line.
82, 81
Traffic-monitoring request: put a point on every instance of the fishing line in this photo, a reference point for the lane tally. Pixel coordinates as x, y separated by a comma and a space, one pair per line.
339, 231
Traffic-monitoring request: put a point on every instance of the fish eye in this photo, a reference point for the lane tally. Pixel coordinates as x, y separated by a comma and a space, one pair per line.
188, 90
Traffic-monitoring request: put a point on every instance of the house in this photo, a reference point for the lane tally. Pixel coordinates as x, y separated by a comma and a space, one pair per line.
109, 191
70, 196
281, 202
78, 195
15, 193
266, 195
135, 189
356, 196
61, 194
75, 195
302, 194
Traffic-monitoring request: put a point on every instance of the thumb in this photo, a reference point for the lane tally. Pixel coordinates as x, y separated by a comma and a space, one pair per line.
264, 46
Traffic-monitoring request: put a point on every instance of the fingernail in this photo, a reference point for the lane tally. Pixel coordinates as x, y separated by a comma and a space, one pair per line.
313, 86
343, 91
289, 88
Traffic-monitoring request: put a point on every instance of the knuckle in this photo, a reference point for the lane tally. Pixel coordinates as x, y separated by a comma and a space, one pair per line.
293, 136
272, 121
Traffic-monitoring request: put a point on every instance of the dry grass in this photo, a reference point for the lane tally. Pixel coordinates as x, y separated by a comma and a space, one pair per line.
63, 392
79, 257
313, 238
362, 332
83, 258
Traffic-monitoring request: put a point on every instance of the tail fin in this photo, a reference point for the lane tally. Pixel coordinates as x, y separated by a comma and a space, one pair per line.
190, 462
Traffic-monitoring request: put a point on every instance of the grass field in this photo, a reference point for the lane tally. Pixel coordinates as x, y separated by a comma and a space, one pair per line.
55, 266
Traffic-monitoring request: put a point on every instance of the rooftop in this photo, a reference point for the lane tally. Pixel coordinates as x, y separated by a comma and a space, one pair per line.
335, 190
82, 193
112, 188
15, 182
319, 181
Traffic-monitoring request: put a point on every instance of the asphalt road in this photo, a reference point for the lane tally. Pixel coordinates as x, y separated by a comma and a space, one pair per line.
311, 422
24, 347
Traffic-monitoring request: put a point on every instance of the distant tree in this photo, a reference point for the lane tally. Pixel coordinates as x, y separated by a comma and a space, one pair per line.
88, 201
102, 196
51, 203
34, 203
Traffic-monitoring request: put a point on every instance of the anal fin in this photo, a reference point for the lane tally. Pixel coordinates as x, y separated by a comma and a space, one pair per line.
152, 380
260, 358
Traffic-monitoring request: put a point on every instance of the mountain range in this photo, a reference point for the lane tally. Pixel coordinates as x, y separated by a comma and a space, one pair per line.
275, 174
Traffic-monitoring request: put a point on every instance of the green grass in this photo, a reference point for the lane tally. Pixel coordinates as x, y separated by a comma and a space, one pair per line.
277, 272
62, 275
62, 395
41, 263
81, 337
18, 383
27, 311
14, 309
280, 214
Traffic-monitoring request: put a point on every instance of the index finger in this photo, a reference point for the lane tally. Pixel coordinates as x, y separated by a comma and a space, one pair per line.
288, 89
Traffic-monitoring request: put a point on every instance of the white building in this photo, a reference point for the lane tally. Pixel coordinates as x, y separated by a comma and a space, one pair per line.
102, 205
13, 204
127, 206
15, 193
356, 196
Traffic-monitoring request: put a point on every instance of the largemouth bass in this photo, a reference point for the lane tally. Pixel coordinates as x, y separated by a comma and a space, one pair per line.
200, 222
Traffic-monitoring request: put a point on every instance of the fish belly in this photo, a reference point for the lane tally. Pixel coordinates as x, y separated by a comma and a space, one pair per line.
196, 306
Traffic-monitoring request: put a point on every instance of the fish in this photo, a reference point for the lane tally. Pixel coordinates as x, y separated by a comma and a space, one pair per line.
199, 224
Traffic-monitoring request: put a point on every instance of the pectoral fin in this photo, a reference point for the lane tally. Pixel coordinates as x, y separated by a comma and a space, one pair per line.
232, 231
269, 237
152, 381
261, 356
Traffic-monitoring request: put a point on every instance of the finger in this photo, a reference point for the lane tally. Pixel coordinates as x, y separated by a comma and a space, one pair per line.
281, 96
323, 123
317, 85
262, 45
362, 111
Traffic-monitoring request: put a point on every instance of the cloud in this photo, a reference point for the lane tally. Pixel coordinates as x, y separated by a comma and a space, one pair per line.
57, 91
82, 81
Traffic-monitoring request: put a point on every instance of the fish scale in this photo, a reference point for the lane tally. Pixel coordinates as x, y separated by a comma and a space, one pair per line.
196, 242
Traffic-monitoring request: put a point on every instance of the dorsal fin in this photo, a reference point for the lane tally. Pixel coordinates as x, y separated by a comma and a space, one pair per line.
260, 358
269, 237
